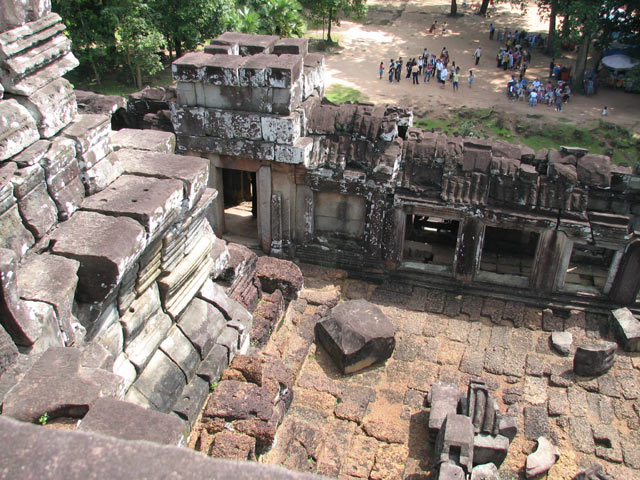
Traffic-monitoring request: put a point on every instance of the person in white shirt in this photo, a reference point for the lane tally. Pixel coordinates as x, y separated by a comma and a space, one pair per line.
478, 54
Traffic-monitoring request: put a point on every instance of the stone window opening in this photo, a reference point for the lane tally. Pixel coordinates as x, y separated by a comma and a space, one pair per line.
430, 241
588, 269
508, 256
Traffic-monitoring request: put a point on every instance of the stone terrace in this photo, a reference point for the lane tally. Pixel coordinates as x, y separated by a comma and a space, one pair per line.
373, 424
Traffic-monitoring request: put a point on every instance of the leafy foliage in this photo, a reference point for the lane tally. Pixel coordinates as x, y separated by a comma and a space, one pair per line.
334, 10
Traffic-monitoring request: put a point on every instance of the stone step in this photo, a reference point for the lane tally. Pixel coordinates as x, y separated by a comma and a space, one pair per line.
148, 140
18, 129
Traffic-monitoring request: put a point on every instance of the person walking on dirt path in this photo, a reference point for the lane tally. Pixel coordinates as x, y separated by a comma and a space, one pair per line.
470, 78
478, 54
428, 70
381, 69
492, 31
398, 69
434, 25
392, 70
456, 79
415, 72
444, 73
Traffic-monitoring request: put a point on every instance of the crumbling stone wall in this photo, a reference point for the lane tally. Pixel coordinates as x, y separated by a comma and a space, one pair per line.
105, 240
248, 103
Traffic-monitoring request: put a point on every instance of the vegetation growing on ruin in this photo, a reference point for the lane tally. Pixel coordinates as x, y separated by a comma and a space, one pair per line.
338, 93
602, 138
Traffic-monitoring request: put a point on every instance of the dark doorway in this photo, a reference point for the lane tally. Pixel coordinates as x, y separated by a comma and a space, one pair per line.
240, 207
509, 251
430, 240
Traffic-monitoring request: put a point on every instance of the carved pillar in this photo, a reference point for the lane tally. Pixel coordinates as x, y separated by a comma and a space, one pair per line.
374, 228
397, 243
264, 207
550, 264
626, 285
468, 249
276, 223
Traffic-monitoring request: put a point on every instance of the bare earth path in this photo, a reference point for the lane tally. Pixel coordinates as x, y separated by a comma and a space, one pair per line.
366, 45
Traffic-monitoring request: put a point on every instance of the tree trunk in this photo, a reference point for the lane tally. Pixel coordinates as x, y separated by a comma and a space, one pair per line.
329, 26
178, 45
454, 8
138, 76
483, 7
581, 63
96, 74
551, 42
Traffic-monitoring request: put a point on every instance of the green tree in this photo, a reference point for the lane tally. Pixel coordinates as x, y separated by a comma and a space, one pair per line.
138, 40
334, 10
282, 17
90, 29
187, 23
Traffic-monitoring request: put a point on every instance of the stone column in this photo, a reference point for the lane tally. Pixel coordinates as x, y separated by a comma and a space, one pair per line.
396, 245
215, 214
304, 215
626, 284
276, 223
550, 263
468, 249
264, 207
374, 228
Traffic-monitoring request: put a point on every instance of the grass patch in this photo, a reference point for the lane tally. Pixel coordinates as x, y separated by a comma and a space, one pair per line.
339, 93
604, 138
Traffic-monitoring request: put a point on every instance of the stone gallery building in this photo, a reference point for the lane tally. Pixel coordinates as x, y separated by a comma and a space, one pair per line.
121, 305
355, 186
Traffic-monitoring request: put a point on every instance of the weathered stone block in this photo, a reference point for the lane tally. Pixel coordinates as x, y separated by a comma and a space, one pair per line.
52, 107
232, 310
179, 349
69, 198
298, 154
38, 211
140, 349
201, 322
357, 334
102, 174
626, 328
248, 44
455, 441
190, 402
136, 315
594, 360
542, 459
32, 155
292, 46
148, 140
87, 131
104, 258
490, 449
594, 170
18, 129
211, 367
8, 351
53, 280
276, 274
154, 203
161, 382
115, 418
14, 234
193, 172
282, 130
204, 67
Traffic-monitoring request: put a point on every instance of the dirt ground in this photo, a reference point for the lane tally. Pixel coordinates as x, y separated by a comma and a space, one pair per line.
400, 28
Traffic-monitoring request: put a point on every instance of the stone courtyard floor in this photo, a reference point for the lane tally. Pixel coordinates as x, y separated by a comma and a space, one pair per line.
372, 424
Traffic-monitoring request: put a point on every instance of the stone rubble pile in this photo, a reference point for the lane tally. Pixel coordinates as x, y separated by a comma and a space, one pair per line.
468, 430
106, 240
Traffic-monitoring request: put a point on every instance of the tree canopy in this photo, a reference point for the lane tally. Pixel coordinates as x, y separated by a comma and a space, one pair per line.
333, 10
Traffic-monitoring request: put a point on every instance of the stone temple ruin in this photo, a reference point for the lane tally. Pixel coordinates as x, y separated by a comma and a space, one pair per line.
122, 305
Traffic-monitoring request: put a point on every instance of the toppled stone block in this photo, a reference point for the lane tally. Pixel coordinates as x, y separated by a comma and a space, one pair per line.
69, 198
212, 366
487, 471
626, 328
8, 351
594, 360
59, 384
277, 274
193, 172
104, 258
52, 107
562, 342
450, 471
51, 279
594, 472
232, 310
189, 404
356, 334
147, 140
455, 441
115, 418
234, 400
91, 102
490, 449
542, 459
508, 427
18, 129
443, 400
154, 203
